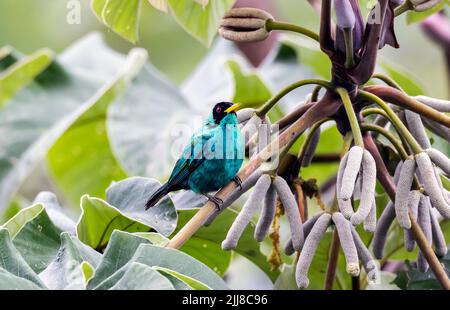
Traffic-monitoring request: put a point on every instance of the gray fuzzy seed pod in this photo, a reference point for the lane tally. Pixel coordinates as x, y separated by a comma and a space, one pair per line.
351, 171
440, 245
413, 206
345, 206
384, 222
263, 136
428, 179
307, 226
366, 257
424, 222
440, 160
311, 148
238, 192
417, 129
251, 127
370, 223
344, 230
398, 169
437, 128
369, 180
309, 249
245, 216
402, 194
292, 212
244, 115
437, 104
267, 214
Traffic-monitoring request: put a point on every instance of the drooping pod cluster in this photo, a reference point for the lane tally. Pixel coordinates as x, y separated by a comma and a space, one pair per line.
352, 245
415, 204
357, 163
271, 188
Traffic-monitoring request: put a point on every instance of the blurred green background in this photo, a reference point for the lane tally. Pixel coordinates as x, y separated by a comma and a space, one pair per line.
31, 24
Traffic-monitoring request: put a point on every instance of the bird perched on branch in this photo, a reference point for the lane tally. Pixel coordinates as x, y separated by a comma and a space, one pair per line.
211, 159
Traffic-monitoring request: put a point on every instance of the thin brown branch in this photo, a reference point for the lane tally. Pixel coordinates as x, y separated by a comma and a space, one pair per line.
397, 97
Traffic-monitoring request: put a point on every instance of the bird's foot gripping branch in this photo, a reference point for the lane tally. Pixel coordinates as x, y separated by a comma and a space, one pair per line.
366, 116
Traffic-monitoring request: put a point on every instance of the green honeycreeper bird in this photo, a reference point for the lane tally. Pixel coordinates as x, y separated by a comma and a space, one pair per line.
212, 158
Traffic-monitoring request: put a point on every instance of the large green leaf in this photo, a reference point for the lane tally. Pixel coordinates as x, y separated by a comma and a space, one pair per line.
8, 281
99, 219
35, 236
200, 21
55, 212
130, 196
12, 261
249, 90
119, 15
142, 277
67, 88
73, 156
66, 270
22, 73
119, 251
405, 80
191, 282
171, 259
205, 245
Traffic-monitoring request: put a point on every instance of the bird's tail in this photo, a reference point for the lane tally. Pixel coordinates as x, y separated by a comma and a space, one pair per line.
156, 196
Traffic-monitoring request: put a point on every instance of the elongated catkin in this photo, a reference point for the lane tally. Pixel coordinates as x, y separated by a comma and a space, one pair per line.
413, 206
384, 222
345, 206
267, 215
417, 129
309, 248
440, 245
244, 217
238, 192
437, 104
307, 226
424, 222
370, 223
403, 192
292, 212
398, 169
244, 115
343, 227
311, 148
351, 172
440, 160
437, 128
369, 181
428, 179
251, 128
368, 262
263, 135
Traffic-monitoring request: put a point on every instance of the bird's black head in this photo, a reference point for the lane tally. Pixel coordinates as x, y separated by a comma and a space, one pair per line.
219, 111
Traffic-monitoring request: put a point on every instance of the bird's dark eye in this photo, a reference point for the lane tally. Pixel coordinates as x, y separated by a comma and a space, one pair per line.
218, 110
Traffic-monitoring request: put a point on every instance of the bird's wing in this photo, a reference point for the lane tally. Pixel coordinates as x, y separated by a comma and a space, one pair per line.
191, 159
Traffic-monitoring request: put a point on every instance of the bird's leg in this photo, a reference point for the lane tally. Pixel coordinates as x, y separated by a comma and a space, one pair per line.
238, 181
216, 200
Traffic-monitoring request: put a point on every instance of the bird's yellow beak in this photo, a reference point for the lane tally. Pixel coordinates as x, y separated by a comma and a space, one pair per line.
233, 108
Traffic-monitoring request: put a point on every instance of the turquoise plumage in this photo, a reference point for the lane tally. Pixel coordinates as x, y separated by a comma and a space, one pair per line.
211, 160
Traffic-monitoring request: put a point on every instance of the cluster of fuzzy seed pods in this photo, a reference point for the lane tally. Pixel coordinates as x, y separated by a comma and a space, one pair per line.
271, 188
357, 177
352, 246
